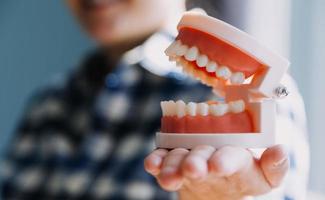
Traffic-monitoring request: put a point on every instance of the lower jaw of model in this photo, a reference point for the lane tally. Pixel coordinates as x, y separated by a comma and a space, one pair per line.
210, 117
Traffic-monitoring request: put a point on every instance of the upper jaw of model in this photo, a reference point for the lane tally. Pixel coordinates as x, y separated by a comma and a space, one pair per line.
220, 55
225, 58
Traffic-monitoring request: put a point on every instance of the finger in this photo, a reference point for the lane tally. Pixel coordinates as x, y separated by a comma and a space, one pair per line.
237, 167
195, 165
153, 162
170, 177
275, 163
229, 160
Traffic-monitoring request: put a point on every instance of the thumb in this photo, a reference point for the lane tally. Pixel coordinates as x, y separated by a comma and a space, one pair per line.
275, 163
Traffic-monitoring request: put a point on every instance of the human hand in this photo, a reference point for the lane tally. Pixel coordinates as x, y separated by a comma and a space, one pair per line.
227, 173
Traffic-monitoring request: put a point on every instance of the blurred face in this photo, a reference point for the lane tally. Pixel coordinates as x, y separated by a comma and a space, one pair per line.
112, 22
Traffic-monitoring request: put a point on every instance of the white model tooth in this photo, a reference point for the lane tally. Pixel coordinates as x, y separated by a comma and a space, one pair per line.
178, 63
237, 78
192, 54
178, 44
170, 51
237, 106
166, 105
219, 109
202, 60
223, 72
171, 108
211, 66
164, 108
191, 109
186, 69
181, 50
203, 109
180, 108
173, 58
170, 48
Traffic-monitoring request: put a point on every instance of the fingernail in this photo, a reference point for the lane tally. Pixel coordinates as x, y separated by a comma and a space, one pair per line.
192, 175
195, 170
156, 161
280, 162
177, 185
168, 170
284, 159
171, 185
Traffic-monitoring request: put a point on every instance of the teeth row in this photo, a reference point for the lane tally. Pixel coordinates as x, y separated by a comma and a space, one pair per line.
177, 49
180, 109
188, 69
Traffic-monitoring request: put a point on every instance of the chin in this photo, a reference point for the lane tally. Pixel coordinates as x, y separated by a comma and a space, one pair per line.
109, 41
105, 36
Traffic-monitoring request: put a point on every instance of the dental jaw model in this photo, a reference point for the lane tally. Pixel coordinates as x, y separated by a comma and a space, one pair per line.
234, 65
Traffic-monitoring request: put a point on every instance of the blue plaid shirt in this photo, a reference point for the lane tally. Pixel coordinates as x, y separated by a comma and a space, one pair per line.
86, 136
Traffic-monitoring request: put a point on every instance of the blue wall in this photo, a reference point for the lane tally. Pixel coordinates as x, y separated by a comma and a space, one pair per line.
38, 39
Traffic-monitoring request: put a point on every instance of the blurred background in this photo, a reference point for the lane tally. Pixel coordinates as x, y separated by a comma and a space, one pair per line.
39, 40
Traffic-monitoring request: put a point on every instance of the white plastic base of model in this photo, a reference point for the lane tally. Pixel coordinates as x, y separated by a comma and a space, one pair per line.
263, 117
189, 141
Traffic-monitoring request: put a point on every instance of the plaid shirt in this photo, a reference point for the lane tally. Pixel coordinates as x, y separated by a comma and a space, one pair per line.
86, 136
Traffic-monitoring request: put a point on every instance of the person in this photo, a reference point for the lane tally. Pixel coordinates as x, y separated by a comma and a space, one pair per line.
91, 136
